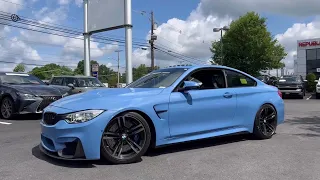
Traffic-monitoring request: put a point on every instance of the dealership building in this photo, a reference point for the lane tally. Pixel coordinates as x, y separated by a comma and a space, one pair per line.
307, 59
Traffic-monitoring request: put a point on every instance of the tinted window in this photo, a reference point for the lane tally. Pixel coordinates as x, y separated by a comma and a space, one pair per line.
56, 81
15, 78
235, 79
69, 80
311, 54
161, 78
89, 82
289, 79
208, 79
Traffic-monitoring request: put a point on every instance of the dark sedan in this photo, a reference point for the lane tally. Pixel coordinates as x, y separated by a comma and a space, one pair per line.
24, 93
292, 85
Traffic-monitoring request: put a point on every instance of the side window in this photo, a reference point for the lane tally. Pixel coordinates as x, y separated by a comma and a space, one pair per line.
57, 81
208, 79
236, 79
70, 81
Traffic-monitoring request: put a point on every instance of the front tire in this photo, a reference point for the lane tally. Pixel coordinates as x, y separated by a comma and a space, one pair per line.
7, 108
125, 139
265, 123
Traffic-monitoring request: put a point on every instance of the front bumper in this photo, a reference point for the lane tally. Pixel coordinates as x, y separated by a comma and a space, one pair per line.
34, 105
74, 141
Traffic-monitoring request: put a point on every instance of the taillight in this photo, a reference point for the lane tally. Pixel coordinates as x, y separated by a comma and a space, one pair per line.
279, 93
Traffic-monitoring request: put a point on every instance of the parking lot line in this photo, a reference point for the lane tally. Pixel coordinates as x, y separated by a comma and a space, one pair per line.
309, 97
5, 123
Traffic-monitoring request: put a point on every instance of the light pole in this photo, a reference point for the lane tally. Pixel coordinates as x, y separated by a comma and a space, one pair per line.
118, 51
224, 28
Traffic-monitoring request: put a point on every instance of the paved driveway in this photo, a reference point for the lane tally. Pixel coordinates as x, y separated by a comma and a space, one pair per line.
293, 153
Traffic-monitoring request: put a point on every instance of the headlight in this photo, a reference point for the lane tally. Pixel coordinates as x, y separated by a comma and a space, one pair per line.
82, 116
24, 95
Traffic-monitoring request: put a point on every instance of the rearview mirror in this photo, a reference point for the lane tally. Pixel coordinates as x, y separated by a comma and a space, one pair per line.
71, 85
190, 85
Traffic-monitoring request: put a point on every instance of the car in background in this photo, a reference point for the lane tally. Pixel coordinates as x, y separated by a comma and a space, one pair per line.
292, 85
268, 79
75, 84
318, 89
22, 93
166, 106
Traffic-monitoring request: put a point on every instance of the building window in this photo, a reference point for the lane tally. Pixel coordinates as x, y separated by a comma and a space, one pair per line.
318, 54
311, 54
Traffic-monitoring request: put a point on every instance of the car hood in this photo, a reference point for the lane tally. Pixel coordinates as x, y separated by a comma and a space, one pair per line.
107, 98
39, 90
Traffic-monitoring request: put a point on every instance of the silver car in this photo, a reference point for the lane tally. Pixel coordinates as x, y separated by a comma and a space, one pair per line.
75, 84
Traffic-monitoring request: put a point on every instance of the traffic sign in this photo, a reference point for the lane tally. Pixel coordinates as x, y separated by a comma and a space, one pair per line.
318, 69
95, 67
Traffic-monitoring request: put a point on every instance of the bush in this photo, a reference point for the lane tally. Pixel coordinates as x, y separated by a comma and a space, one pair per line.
311, 84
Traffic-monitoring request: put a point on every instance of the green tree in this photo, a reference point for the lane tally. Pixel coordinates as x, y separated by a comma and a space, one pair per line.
248, 46
49, 70
311, 84
105, 74
19, 68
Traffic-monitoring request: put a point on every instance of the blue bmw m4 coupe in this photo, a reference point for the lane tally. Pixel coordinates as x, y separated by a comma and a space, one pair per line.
166, 106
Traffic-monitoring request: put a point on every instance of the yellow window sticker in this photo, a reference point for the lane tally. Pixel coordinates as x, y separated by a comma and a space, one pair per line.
243, 81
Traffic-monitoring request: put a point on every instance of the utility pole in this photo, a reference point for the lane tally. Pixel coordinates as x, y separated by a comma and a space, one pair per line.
152, 39
86, 36
118, 51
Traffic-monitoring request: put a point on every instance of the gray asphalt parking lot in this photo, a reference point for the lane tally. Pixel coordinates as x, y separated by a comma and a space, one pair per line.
293, 153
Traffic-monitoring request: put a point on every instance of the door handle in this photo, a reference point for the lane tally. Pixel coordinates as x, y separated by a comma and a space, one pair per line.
227, 95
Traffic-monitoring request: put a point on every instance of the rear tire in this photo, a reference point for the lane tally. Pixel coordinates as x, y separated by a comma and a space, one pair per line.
265, 123
7, 108
125, 139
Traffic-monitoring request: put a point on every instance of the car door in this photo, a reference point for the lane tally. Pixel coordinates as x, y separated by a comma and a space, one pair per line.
244, 89
209, 109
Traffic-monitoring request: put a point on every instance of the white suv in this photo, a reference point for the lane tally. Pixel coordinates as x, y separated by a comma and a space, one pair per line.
318, 89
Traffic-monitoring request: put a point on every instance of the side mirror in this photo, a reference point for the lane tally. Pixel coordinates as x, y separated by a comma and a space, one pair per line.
47, 83
190, 85
71, 86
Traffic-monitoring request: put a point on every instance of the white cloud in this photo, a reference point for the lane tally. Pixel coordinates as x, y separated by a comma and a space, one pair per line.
74, 47
12, 6
64, 2
236, 8
189, 38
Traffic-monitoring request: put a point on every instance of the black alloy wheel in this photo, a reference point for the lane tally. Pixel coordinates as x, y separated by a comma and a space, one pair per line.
125, 139
7, 108
265, 122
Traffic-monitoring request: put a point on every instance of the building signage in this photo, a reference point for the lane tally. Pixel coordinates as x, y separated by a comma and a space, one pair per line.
309, 43
318, 69
95, 68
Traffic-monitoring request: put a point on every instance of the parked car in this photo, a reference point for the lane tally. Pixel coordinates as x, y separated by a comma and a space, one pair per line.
268, 79
318, 89
292, 85
22, 93
166, 106
75, 84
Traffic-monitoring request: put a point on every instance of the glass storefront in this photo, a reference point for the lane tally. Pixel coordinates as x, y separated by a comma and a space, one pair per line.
313, 61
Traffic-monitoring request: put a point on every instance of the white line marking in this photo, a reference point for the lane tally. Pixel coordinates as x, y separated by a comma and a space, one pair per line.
6, 123
309, 97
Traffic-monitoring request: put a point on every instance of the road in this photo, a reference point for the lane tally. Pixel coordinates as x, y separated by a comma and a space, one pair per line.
293, 153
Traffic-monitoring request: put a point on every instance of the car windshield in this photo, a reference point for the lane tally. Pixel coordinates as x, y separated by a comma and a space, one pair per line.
14, 78
261, 78
89, 82
158, 79
289, 79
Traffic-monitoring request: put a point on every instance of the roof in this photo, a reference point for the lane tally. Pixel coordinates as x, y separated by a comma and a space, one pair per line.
76, 76
4, 72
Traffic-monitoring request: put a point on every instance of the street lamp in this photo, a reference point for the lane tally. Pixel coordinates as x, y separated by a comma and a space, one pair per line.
224, 28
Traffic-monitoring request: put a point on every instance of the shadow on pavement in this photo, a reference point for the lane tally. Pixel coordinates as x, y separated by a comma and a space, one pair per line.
198, 144
69, 163
311, 124
26, 117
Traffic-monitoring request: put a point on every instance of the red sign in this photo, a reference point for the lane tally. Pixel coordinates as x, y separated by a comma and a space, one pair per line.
309, 43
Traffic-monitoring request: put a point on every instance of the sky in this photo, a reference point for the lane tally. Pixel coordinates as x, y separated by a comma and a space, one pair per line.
184, 27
